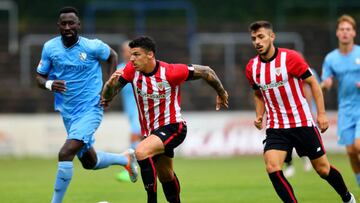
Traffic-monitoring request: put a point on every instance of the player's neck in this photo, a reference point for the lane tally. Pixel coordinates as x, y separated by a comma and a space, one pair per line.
270, 55
68, 42
151, 67
346, 48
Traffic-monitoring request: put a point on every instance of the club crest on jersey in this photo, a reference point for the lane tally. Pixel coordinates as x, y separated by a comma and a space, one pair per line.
278, 71
82, 56
160, 86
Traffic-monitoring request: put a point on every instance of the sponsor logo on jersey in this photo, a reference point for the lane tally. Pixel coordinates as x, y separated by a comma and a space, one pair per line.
272, 85
150, 96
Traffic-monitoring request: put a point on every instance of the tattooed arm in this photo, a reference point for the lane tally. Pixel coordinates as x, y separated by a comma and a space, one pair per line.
111, 88
209, 75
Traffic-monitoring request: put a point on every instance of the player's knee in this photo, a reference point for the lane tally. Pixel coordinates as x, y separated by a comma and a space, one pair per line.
323, 170
87, 166
353, 151
65, 155
141, 153
356, 149
165, 175
272, 167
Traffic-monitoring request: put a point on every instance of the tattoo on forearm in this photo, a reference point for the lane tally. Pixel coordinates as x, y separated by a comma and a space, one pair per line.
209, 76
110, 91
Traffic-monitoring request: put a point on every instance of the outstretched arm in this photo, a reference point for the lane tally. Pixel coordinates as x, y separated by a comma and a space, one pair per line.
111, 88
209, 75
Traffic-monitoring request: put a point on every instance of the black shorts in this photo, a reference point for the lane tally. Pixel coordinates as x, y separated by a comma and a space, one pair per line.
306, 140
171, 135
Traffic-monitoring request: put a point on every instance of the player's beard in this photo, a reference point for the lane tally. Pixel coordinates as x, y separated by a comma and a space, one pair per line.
266, 51
70, 40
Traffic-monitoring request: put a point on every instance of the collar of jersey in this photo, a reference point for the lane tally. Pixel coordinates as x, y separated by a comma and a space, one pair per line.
154, 71
270, 59
71, 45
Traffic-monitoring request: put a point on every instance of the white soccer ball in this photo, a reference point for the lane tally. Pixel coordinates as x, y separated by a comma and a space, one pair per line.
103, 202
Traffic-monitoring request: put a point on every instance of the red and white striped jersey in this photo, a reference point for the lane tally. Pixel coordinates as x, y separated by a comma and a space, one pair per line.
279, 80
157, 94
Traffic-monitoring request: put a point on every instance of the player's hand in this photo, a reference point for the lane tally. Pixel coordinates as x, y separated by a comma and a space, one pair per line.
222, 100
58, 86
323, 122
114, 78
326, 84
358, 85
258, 122
105, 103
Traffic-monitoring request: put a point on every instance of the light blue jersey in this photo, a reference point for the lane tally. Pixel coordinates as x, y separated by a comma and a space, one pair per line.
130, 106
346, 69
79, 67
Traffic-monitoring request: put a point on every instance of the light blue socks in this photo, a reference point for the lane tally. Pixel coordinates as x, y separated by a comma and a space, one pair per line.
63, 178
105, 159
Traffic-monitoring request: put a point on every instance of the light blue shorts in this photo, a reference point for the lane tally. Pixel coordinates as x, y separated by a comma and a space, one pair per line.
82, 127
348, 128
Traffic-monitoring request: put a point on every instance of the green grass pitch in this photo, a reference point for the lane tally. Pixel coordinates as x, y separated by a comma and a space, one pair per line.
226, 180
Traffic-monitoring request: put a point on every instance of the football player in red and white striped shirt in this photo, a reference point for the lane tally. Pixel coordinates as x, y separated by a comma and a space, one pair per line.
277, 75
156, 85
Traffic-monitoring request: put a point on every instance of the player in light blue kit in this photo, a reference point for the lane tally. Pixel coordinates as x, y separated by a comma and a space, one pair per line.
130, 108
343, 64
70, 68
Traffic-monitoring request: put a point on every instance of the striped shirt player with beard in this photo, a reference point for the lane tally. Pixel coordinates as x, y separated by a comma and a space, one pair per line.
156, 85
277, 75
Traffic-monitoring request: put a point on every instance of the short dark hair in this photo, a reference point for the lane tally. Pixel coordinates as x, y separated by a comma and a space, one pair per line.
259, 24
68, 9
144, 42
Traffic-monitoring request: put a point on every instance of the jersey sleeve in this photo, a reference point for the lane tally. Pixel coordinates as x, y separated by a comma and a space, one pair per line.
128, 72
178, 73
249, 76
45, 62
327, 70
102, 50
296, 64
